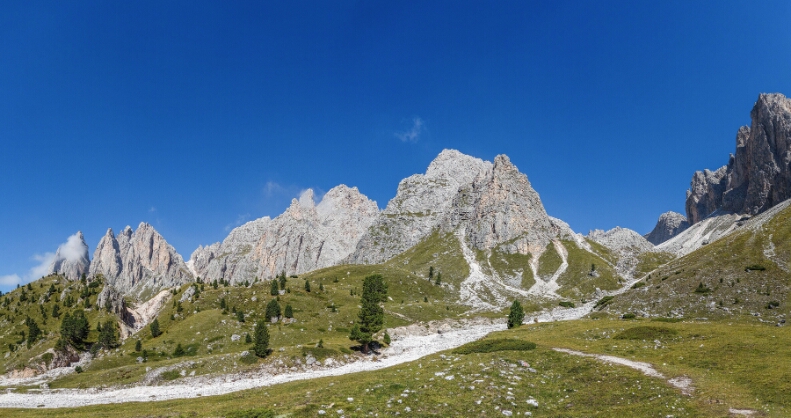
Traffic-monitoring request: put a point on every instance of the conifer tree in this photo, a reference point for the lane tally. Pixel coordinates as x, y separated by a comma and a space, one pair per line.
283, 280
289, 312
273, 289
307, 286
371, 315
154, 327
138, 345
261, 339
516, 316
108, 336
272, 310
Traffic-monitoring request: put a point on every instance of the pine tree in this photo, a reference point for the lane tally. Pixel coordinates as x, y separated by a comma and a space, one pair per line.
74, 328
320, 344
138, 345
247, 338
371, 316
283, 280
321, 287
179, 351
272, 310
307, 286
240, 316
33, 331
439, 279
55, 311
155, 332
273, 290
108, 336
516, 316
289, 312
431, 273
261, 339
223, 305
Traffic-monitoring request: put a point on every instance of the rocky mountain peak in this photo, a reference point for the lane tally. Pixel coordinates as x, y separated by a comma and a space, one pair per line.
71, 259
138, 262
668, 226
758, 175
621, 240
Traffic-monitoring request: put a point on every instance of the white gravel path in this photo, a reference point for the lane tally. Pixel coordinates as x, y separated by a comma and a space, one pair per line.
401, 351
684, 383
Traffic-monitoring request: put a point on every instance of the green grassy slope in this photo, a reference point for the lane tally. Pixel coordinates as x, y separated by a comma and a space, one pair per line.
745, 273
731, 365
580, 280
36, 300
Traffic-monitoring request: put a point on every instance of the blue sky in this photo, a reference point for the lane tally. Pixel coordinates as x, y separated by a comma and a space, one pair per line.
196, 116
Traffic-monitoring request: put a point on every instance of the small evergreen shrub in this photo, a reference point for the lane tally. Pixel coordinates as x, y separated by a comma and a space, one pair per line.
491, 346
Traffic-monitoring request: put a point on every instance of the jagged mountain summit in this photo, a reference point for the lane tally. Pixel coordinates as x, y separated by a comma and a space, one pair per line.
420, 205
758, 176
305, 237
668, 226
138, 262
71, 259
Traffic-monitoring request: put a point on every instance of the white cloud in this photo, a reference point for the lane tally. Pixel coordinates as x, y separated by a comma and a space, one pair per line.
152, 209
272, 188
42, 269
240, 219
306, 198
412, 134
10, 280
71, 250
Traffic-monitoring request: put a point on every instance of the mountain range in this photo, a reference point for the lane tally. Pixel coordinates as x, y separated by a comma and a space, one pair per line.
489, 208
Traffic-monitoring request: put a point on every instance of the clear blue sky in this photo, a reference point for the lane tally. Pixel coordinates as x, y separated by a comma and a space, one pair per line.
196, 116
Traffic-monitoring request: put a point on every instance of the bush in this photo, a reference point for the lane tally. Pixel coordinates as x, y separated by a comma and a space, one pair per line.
629, 316
773, 304
78, 369
755, 267
702, 289
566, 304
179, 351
603, 302
638, 285
491, 346
170, 375
645, 333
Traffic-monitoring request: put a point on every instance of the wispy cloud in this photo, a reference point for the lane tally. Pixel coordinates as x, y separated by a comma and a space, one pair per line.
272, 188
413, 133
10, 280
71, 250
240, 219
152, 209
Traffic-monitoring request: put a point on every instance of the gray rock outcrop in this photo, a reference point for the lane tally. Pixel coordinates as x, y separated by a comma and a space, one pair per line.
304, 238
421, 204
621, 240
138, 262
758, 175
668, 226
71, 259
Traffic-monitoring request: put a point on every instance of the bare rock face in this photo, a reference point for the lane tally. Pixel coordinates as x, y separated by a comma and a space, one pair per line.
113, 301
621, 240
668, 226
71, 259
501, 206
421, 204
304, 238
138, 262
758, 176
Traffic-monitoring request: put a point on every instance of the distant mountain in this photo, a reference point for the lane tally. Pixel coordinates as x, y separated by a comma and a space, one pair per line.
71, 259
138, 262
305, 237
668, 226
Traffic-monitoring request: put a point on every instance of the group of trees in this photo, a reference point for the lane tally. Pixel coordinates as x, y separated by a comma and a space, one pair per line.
437, 278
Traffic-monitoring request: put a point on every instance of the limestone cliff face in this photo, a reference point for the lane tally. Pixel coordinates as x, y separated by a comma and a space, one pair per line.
668, 226
501, 206
421, 204
138, 262
304, 238
758, 175
71, 259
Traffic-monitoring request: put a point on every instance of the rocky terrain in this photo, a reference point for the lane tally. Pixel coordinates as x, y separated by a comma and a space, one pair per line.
71, 259
668, 226
305, 237
421, 204
758, 175
138, 263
